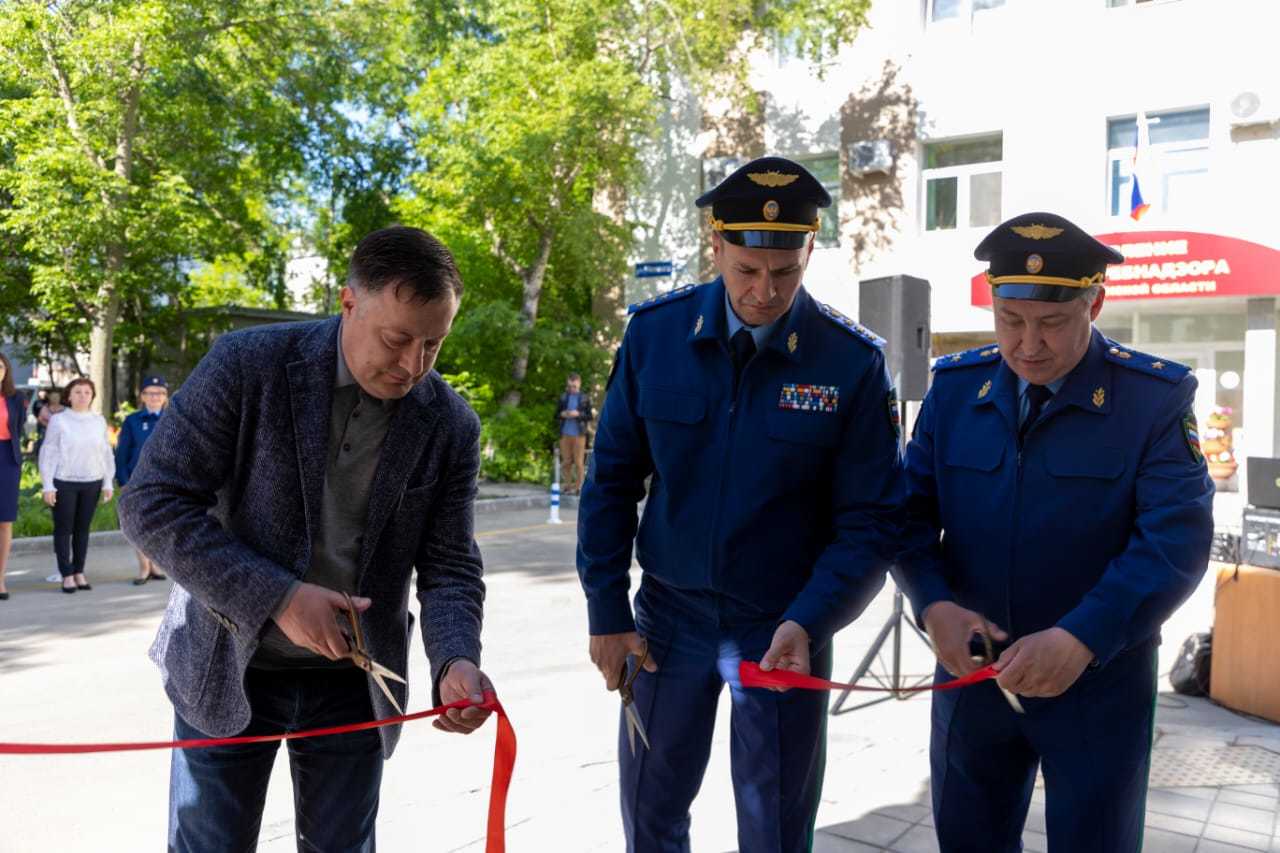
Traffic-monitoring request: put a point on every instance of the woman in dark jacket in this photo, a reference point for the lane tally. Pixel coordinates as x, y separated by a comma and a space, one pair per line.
135, 431
12, 420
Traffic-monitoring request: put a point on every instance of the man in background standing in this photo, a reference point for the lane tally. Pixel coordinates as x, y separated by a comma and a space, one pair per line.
573, 414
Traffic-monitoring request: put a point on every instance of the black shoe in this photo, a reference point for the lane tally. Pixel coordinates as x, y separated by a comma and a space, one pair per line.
68, 589
84, 586
140, 581
4, 596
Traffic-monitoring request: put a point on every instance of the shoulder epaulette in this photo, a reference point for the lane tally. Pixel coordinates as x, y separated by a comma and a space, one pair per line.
854, 328
1170, 371
968, 358
663, 298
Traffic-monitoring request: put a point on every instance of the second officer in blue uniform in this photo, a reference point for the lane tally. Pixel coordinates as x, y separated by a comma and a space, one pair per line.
1058, 502
767, 426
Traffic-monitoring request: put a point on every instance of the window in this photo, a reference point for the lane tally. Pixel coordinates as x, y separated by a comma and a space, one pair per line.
1177, 162
959, 10
962, 183
827, 170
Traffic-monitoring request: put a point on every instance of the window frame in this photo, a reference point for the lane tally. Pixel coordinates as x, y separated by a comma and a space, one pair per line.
963, 174
1157, 152
964, 16
833, 188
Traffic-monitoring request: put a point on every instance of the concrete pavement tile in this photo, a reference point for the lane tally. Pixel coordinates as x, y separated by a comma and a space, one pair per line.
1034, 842
927, 820
1239, 837
1035, 818
1272, 790
871, 829
1186, 741
1169, 823
910, 812
1168, 802
1265, 741
918, 839
1243, 817
1202, 793
1208, 845
1242, 798
1161, 841
824, 842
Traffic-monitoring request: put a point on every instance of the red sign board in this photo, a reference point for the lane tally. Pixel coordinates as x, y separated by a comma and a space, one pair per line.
1178, 265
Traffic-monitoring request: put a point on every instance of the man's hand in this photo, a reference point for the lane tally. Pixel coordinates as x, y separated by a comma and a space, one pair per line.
309, 620
570, 413
1043, 664
789, 650
950, 628
609, 654
462, 680
51, 498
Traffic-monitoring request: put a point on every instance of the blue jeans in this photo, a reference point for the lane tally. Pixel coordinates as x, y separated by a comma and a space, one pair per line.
216, 794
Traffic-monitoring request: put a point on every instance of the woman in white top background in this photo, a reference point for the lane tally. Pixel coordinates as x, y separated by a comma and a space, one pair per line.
76, 467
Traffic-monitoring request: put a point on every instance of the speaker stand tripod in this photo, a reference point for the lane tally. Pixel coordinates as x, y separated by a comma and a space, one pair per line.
892, 680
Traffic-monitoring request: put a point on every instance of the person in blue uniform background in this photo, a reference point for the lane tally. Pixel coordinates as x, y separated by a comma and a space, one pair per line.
768, 425
134, 432
1058, 502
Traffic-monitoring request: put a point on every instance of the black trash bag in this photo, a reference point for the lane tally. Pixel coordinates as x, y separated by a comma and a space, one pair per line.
1190, 673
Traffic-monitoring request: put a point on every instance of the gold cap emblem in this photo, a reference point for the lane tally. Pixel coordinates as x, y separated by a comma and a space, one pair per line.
770, 210
793, 341
1099, 397
985, 389
772, 179
1035, 263
1037, 231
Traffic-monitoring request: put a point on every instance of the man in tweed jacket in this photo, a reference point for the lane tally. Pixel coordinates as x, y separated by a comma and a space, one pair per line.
296, 463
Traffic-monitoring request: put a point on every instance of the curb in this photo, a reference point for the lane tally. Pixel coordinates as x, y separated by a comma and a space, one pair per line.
108, 538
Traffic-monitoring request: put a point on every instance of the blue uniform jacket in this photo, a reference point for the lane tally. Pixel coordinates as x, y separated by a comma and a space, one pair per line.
134, 432
784, 498
1101, 524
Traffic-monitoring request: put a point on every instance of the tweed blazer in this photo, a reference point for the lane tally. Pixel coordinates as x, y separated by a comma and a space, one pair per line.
227, 493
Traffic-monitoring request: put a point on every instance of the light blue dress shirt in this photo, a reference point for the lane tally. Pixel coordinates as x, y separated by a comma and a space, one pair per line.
759, 334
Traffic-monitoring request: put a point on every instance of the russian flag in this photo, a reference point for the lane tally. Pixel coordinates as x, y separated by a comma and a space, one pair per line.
1138, 206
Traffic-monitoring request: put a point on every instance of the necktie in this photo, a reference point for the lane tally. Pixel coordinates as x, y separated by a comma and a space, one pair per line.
1037, 396
743, 347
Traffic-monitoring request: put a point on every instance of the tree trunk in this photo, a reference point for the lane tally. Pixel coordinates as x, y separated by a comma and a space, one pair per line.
101, 335
609, 302
532, 278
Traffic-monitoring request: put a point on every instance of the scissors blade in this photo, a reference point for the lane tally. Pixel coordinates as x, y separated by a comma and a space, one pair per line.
378, 669
386, 691
634, 727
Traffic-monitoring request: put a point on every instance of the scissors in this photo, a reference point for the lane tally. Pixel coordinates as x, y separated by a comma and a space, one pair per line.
629, 711
989, 657
360, 657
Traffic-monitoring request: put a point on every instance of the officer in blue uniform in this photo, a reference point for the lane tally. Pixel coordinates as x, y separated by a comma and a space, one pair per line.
768, 426
134, 432
1058, 502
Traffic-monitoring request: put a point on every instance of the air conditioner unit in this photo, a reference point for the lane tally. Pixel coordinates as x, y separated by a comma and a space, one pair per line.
871, 157
1252, 107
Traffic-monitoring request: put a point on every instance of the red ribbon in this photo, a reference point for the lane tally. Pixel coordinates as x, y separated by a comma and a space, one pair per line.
504, 752
751, 675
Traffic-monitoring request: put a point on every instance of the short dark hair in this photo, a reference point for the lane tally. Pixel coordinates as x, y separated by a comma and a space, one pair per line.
572, 376
401, 256
80, 380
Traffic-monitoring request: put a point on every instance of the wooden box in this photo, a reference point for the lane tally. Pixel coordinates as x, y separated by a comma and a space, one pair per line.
1246, 641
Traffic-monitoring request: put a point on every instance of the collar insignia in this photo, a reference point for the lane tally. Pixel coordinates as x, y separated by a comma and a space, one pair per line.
793, 341
985, 389
1099, 397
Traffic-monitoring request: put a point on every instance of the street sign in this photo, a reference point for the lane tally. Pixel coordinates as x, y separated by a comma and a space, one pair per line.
654, 269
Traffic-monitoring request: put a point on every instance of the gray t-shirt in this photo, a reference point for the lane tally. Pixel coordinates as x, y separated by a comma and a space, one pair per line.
358, 425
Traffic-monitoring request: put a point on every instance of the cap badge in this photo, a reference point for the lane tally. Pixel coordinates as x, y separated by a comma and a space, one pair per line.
793, 341
1037, 231
697, 327
1099, 397
985, 389
772, 179
1035, 263
770, 210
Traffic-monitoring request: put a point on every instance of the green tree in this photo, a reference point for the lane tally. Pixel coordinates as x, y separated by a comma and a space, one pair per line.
531, 124
148, 136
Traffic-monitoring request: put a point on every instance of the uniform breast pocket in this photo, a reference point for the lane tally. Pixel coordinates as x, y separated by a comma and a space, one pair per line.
671, 406
814, 429
974, 456
1095, 464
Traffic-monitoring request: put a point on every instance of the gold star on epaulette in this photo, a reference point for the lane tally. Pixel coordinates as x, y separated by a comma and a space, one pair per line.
987, 352
1158, 365
1119, 353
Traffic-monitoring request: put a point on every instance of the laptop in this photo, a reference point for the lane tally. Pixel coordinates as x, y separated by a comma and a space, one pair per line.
1264, 481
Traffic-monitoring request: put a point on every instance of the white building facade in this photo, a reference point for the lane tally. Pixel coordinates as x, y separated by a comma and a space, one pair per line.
946, 117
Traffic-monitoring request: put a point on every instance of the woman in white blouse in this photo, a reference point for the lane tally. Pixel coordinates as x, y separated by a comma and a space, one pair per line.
77, 466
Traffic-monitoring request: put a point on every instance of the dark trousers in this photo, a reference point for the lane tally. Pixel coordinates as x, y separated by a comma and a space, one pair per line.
216, 794
777, 740
72, 515
1093, 744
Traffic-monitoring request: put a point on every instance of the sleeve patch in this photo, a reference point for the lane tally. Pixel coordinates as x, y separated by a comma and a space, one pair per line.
1192, 432
895, 413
